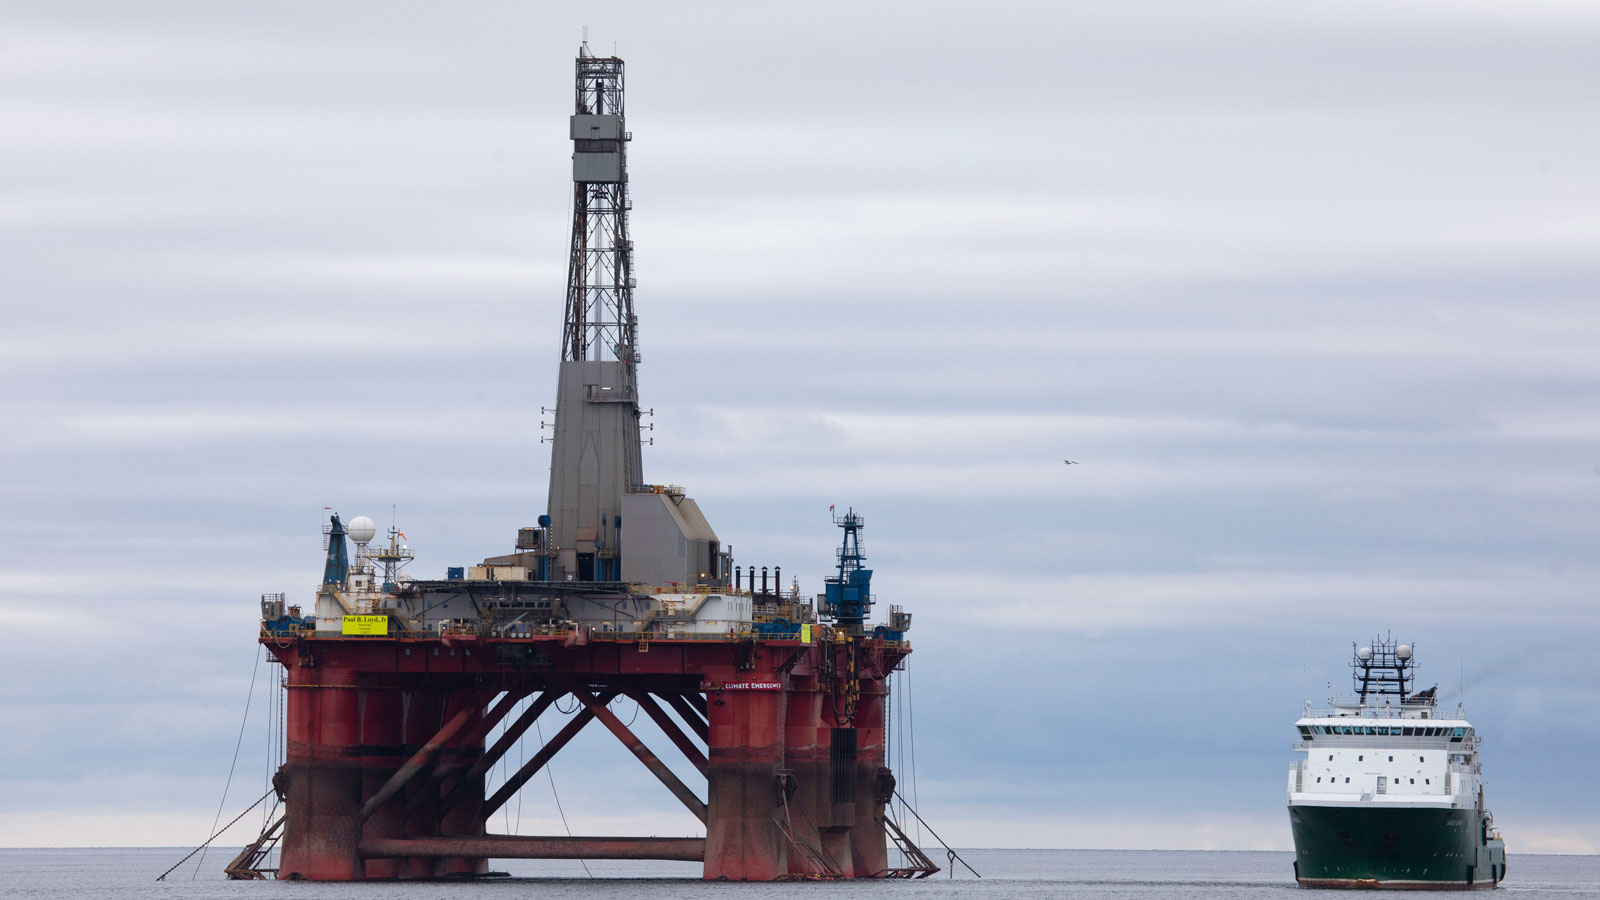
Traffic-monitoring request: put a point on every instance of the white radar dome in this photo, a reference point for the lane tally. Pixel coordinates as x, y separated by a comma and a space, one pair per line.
362, 529
1365, 653
1402, 652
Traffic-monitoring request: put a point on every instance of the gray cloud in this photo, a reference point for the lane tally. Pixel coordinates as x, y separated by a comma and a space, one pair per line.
1309, 291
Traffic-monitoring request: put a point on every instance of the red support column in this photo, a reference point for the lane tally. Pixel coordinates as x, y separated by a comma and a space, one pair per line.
868, 841
380, 734
806, 758
836, 807
423, 716
465, 817
322, 830
746, 751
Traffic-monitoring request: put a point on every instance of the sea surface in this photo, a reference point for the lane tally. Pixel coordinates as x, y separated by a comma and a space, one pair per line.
93, 873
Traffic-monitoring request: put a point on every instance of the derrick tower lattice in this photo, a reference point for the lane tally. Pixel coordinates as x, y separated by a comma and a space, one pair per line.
600, 322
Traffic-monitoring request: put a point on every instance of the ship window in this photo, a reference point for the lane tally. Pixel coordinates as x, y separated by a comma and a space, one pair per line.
1330, 757
1305, 732
1319, 779
1347, 779
1360, 758
1391, 759
1421, 759
1413, 781
1427, 781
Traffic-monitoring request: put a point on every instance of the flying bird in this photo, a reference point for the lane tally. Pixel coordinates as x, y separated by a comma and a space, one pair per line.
1070, 462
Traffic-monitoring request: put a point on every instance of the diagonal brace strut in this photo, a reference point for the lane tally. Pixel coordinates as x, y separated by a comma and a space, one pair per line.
545, 754
651, 762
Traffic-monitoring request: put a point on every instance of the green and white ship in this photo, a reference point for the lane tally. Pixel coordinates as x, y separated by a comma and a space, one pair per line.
1390, 793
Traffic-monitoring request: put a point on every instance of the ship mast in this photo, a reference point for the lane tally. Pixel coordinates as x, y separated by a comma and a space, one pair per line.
1382, 669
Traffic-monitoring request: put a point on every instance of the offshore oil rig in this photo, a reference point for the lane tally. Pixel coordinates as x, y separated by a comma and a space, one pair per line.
621, 590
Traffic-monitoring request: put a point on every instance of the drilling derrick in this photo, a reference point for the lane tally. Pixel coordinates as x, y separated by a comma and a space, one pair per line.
404, 693
595, 456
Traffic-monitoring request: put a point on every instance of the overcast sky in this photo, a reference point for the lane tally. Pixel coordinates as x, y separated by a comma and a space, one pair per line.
1308, 289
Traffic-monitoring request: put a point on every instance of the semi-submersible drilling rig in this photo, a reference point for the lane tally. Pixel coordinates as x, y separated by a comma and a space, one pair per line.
622, 590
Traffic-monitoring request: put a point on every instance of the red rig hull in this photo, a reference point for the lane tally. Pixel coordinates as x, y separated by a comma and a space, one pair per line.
386, 749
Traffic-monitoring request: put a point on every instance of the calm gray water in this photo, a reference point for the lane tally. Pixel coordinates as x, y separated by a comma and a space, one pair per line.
1007, 873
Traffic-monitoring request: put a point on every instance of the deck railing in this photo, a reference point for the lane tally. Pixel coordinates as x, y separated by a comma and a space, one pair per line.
1375, 712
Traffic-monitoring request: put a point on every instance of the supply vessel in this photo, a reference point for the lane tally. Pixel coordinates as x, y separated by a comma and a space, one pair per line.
620, 592
1390, 792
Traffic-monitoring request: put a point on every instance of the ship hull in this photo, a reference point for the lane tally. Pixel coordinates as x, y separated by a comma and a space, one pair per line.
1405, 848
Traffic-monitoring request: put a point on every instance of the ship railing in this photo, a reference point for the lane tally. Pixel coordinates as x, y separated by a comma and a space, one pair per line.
1375, 740
820, 634
686, 588
595, 393
682, 634
1373, 712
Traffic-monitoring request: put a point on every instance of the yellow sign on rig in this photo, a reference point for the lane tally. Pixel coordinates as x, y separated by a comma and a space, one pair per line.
378, 625
805, 633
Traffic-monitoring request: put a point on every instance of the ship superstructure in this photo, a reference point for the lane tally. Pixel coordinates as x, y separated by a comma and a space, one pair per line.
1390, 792
620, 592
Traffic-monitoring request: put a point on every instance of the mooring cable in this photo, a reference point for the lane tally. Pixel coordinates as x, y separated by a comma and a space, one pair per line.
549, 772
229, 783
266, 783
163, 875
522, 760
505, 775
953, 854
911, 738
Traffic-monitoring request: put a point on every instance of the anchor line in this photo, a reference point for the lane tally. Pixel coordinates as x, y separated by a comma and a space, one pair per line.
163, 875
550, 773
254, 670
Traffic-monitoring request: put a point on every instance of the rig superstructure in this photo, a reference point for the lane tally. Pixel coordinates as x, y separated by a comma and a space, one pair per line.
1390, 792
621, 589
